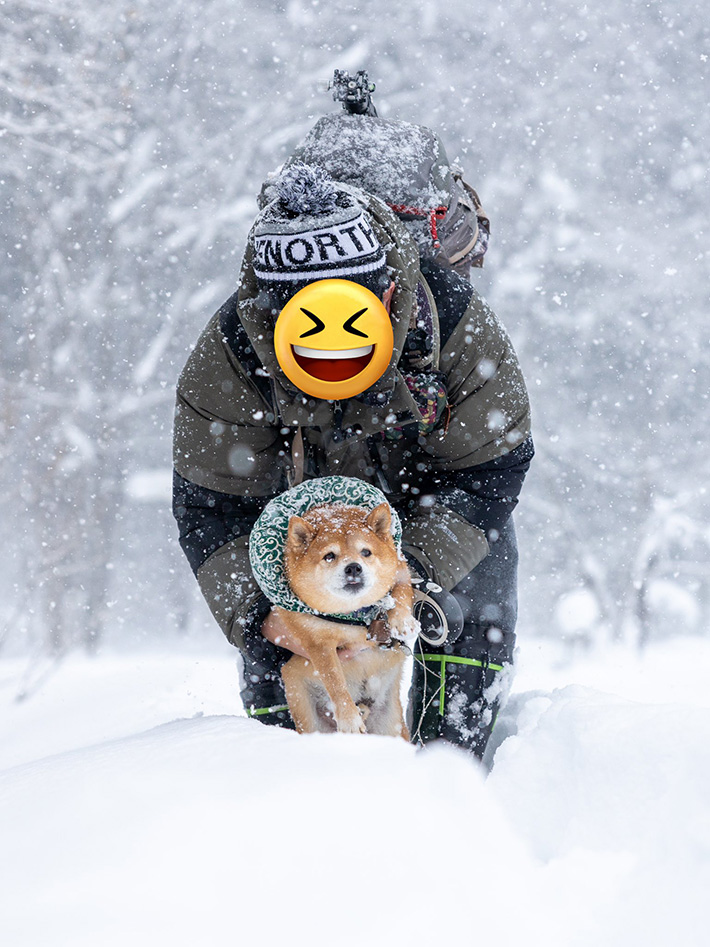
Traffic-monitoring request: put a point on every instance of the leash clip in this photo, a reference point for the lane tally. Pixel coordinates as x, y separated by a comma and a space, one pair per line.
431, 617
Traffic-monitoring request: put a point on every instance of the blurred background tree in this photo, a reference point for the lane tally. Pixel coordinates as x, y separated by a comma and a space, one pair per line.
134, 139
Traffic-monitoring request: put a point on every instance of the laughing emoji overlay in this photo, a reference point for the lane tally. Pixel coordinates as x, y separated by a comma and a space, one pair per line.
333, 339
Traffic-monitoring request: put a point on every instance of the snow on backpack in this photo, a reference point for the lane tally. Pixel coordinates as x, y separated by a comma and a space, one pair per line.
406, 166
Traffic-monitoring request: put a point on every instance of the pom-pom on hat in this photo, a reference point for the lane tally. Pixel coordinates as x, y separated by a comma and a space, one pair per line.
314, 229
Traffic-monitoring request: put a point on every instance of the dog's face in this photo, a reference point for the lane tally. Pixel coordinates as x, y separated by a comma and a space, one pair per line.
340, 558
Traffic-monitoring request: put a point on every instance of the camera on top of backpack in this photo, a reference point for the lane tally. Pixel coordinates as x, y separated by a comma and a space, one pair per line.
354, 92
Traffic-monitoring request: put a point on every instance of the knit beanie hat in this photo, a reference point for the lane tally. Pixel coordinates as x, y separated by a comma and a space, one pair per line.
313, 229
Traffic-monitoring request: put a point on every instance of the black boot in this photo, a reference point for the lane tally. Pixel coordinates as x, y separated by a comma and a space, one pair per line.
262, 690
455, 699
458, 687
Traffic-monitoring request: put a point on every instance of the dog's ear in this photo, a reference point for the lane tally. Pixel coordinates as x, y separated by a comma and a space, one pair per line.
300, 534
380, 521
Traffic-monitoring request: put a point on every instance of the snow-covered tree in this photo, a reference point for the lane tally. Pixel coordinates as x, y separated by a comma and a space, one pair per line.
134, 139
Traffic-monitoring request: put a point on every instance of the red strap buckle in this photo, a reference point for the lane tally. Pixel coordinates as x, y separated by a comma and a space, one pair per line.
435, 214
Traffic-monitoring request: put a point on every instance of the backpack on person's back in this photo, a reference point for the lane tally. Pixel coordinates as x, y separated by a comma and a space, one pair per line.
405, 166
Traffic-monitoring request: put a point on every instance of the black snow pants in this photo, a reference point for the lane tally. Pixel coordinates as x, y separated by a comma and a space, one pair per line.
457, 689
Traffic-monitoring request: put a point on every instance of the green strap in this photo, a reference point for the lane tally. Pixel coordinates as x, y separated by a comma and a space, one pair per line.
442, 659
445, 659
260, 711
455, 659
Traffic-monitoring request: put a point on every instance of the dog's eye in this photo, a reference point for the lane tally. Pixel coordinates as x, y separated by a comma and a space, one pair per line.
329, 557
365, 553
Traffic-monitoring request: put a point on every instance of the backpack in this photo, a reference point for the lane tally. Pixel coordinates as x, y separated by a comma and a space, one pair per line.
405, 166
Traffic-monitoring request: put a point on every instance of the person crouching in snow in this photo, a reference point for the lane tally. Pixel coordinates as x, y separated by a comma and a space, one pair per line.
444, 432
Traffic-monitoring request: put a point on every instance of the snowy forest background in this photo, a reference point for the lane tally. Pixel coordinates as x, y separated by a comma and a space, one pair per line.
133, 139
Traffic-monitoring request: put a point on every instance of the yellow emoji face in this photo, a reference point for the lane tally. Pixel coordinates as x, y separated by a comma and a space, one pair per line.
333, 339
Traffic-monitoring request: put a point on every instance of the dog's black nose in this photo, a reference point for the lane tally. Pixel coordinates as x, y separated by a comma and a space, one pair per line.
353, 570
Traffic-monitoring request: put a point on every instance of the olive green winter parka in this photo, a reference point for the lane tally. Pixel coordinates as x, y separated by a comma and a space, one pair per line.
246, 432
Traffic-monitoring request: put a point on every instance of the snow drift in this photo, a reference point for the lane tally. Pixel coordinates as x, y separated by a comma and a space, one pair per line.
592, 828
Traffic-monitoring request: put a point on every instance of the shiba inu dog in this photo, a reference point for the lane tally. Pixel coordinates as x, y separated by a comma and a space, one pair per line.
338, 560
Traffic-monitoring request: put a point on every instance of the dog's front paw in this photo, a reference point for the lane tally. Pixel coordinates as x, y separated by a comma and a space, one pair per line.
351, 723
403, 625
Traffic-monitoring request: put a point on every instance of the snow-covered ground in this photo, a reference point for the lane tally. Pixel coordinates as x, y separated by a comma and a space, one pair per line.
138, 805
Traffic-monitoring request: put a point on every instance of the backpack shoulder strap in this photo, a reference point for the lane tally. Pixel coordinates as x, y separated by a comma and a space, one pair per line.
421, 346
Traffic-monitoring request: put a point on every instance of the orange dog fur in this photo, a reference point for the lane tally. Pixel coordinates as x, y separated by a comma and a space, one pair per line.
339, 559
